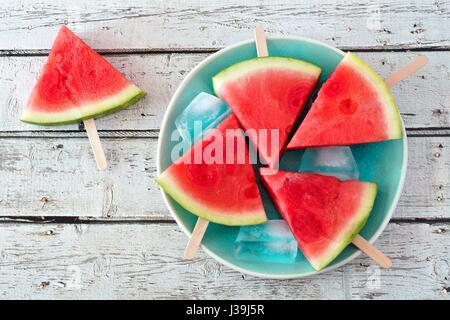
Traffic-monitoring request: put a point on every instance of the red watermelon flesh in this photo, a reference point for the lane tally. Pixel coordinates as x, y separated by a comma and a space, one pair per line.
224, 192
267, 93
77, 83
354, 106
323, 213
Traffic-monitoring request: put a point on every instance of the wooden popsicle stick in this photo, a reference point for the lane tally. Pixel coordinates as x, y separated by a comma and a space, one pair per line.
407, 70
261, 42
196, 238
371, 251
96, 145
366, 247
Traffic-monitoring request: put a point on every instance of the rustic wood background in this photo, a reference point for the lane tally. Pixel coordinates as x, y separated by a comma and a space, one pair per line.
69, 231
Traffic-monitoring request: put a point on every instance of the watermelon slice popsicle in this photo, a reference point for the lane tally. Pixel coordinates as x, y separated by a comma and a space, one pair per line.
201, 187
354, 106
324, 213
75, 85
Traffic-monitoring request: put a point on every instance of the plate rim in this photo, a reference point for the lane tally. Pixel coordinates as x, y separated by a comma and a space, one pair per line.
218, 258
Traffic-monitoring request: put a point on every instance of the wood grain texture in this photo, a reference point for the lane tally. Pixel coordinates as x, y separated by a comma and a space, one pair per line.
193, 24
423, 99
143, 261
427, 186
58, 177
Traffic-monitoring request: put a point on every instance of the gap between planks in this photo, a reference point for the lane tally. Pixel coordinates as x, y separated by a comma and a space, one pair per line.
80, 134
154, 134
155, 220
140, 51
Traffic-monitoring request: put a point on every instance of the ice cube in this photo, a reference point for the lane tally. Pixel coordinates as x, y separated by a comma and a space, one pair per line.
270, 242
332, 161
203, 113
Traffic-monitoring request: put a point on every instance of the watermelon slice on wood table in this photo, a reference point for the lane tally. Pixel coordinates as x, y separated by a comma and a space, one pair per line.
77, 84
267, 93
223, 192
323, 213
354, 106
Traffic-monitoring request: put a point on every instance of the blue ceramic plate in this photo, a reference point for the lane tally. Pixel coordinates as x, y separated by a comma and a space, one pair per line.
383, 163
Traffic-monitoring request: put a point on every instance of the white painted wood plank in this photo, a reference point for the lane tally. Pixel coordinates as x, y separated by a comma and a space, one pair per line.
46, 177
174, 24
427, 186
58, 177
128, 261
421, 263
423, 99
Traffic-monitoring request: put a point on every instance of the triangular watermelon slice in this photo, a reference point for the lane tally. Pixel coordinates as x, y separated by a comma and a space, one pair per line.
223, 192
323, 213
354, 106
267, 93
77, 84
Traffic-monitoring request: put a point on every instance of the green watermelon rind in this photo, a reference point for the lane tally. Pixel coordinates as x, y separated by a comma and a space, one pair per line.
392, 115
169, 185
352, 230
123, 99
262, 63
